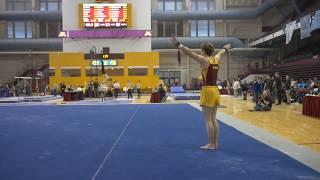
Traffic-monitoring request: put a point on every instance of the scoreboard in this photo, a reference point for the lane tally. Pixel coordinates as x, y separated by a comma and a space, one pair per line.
103, 15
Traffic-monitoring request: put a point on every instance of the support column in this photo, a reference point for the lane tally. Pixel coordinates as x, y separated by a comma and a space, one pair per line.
188, 72
227, 65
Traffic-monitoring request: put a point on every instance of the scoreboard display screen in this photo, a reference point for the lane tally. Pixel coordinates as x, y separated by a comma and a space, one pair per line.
104, 15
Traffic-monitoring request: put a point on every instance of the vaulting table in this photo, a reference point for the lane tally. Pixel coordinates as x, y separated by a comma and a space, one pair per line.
311, 106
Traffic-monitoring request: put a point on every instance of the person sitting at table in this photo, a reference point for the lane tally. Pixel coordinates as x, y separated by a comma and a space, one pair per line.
69, 87
154, 90
162, 92
79, 91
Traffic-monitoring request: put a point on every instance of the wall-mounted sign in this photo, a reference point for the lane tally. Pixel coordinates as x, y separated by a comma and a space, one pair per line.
105, 63
105, 15
117, 33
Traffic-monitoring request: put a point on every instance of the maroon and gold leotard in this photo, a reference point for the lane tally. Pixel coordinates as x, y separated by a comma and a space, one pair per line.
210, 96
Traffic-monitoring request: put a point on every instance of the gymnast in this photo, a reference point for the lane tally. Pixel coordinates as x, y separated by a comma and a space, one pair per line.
210, 97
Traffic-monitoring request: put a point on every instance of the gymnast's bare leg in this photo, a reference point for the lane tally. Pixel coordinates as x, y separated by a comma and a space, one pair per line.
208, 116
215, 127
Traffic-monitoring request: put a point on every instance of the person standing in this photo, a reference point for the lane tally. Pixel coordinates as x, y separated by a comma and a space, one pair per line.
46, 89
109, 86
14, 91
210, 97
116, 87
28, 89
62, 88
138, 86
273, 89
287, 89
228, 87
55, 89
256, 87
234, 88
279, 87
237, 87
129, 89
245, 88
96, 88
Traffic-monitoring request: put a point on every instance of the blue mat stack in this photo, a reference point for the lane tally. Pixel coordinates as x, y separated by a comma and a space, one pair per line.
178, 93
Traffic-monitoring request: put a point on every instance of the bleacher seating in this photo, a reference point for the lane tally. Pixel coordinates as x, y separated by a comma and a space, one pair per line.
304, 69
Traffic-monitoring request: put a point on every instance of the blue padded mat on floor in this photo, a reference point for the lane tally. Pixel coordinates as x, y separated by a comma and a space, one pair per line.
160, 142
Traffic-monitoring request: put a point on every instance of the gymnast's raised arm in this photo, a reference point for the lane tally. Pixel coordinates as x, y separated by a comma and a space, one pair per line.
202, 59
199, 58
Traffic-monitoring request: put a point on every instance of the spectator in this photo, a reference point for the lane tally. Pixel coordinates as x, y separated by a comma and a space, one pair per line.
62, 88
308, 84
287, 87
279, 87
55, 89
46, 89
262, 81
90, 89
293, 84
6, 90
69, 86
302, 84
80, 92
109, 86
162, 92
116, 87
28, 89
228, 86
273, 89
79, 89
219, 82
257, 90
96, 88
264, 103
316, 82
138, 86
244, 88
239, 87
14, 91
129, 89
236, 87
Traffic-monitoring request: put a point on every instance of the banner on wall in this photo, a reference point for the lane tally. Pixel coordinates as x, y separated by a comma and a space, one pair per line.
305, 30
316, 21
290, 27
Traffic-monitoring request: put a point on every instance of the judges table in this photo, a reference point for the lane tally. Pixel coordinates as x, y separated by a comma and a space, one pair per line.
73, 96
155, 97
311, 106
